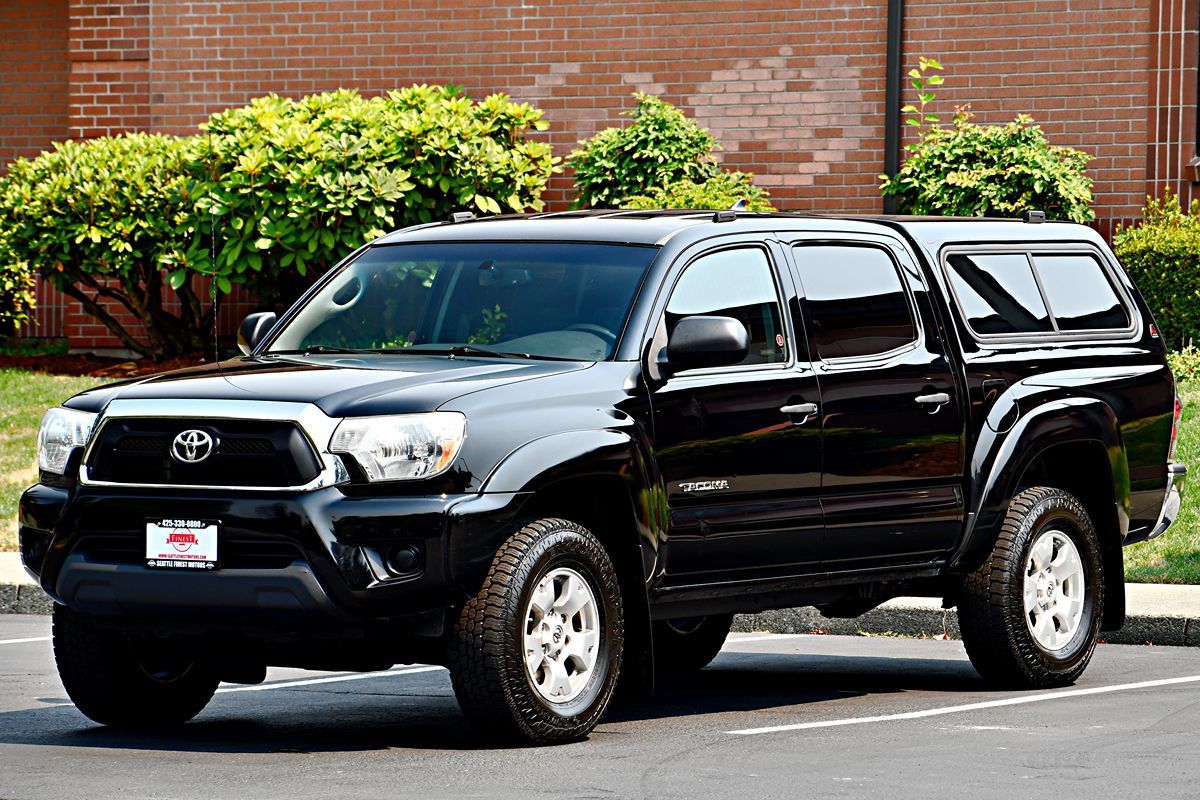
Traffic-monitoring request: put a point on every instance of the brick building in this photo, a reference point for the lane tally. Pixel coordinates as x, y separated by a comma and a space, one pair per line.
796, 92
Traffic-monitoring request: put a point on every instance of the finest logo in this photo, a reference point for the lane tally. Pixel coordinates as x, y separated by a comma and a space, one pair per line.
704, 486
192, 447
182, 540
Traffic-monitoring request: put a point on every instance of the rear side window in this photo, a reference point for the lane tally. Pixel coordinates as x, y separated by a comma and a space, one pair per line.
1080, 293
1035, 293
998, 293
855, 301
736, 283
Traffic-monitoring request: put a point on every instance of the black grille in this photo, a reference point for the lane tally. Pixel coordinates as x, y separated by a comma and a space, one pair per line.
247, 453
234, 553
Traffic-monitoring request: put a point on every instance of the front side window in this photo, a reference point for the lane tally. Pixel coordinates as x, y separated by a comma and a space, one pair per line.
542, 299
855, 301
734, 283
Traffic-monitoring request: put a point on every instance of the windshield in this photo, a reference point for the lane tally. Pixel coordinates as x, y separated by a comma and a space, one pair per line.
537, 299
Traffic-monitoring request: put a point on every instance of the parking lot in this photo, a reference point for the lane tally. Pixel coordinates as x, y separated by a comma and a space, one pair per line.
774, 716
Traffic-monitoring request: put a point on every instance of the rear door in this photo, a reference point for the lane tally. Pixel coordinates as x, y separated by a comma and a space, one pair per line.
892, 419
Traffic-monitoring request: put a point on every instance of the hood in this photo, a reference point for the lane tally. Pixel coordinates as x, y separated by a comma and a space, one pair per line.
341, 386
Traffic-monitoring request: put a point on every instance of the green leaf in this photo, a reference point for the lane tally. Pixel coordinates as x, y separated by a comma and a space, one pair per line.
263, 243
176, 278
223, 284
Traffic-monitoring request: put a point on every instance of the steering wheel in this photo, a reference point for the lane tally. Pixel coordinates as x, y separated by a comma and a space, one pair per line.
599, 330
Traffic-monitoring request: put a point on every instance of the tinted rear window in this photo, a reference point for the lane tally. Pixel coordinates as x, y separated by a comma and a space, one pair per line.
998, 293
1080, 293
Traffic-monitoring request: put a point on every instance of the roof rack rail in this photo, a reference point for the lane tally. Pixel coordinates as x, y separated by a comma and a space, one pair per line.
461, 216
724, 216
1034, 217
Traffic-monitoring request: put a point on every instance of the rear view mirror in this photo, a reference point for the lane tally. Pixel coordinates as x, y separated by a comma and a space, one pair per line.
704, 341
254, 329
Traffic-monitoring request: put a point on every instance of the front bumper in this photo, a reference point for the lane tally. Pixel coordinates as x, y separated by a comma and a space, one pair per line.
302, 558
1176, 473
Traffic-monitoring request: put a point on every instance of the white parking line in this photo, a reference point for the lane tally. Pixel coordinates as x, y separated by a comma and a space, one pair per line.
357, 676
937, 712
22, 641
765, 636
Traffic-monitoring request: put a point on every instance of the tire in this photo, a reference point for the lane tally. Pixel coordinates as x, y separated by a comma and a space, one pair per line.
518, 613
123, 682
689, 645
1024, 624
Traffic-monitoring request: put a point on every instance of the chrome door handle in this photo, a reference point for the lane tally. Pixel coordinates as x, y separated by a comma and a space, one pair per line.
800, 410
938, 399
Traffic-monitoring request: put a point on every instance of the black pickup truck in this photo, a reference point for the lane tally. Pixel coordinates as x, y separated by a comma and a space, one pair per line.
557, 452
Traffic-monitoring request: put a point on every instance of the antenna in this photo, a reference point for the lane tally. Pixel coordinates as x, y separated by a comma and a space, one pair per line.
740, 205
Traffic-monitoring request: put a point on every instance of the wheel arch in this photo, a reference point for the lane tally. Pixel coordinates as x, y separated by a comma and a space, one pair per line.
602, 481
1073, 444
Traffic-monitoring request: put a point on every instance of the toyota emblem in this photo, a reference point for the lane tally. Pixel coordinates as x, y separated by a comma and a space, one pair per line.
192, 447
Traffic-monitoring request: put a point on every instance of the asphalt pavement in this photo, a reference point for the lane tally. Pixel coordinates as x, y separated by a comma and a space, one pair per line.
774, 716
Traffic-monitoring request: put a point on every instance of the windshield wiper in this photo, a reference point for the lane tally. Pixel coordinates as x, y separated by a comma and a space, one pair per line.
320, 349
459, 350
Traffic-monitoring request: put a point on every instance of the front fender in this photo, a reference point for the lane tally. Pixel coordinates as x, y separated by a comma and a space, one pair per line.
1000, 460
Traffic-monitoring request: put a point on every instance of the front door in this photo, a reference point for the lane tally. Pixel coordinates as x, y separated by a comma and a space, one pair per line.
892, 415
739, 446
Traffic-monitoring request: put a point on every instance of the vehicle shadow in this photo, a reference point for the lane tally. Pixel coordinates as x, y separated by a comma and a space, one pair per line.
422, 714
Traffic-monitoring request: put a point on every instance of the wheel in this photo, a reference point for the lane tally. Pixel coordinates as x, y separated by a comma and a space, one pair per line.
1030, 614
688, 645
537, 652
124, 682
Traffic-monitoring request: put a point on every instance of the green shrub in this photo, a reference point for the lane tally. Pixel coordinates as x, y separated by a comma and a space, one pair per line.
298, 184
99, 219
1185, 363
1162, 256
16, 284
659, 147
283, 188
718, 192
967, 169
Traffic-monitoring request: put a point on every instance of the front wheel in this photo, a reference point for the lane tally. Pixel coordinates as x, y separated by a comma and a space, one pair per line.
1030, 614
537, 652
125, 681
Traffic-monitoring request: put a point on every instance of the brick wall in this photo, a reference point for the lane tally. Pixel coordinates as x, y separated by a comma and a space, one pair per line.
794, 91
110, 67
33, 74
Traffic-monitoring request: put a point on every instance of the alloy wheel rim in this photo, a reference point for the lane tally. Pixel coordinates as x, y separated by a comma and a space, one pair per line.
561, 639
1054, 590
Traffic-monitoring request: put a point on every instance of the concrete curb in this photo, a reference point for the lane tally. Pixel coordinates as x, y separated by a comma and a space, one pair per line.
900, 618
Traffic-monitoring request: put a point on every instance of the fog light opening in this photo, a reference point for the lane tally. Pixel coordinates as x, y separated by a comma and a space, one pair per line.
402, 561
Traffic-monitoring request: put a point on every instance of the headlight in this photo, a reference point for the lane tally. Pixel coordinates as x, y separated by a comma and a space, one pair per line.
61, 431
401, 447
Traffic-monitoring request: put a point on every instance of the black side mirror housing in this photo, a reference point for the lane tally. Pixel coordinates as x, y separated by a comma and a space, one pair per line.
707, 341
254, 329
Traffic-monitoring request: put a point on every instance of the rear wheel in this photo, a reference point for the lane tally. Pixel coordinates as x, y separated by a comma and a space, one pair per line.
537, 652
125, 681
689, 645
1030, 614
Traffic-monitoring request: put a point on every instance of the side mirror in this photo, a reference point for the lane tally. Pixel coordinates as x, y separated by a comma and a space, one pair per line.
254, 329
703, 341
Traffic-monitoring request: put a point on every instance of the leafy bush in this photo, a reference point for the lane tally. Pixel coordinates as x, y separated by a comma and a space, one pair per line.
99, 219
718, 192
16, 285
284, 188
1162, 256
659, 147
298, 184
968, 169
1185, 363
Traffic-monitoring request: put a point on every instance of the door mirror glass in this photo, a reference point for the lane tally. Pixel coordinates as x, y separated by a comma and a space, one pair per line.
707, 341
254, 329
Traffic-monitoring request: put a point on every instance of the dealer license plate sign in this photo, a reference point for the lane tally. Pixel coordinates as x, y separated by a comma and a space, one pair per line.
181, 544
